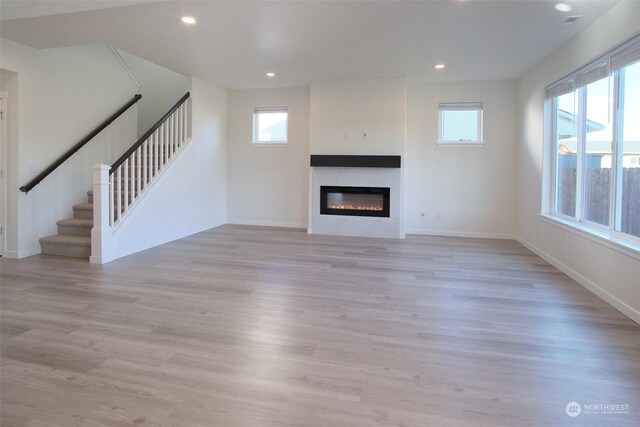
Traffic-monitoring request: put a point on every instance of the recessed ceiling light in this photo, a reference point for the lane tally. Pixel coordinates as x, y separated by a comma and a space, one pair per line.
439, 66
189, 20
270, 74
563, 7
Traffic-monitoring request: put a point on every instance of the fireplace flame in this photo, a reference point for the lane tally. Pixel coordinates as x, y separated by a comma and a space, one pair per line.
357, 207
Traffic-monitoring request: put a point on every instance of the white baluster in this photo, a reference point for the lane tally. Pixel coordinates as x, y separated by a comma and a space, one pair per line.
169, 142
174, 119
151, 157
156, 157
132, 163
179, 129
169, 133
112, 216
167, 125
177, 119
119, 193
162, 150
151, 164
126, 186
185, 119
145, 162
165, 130
139, 170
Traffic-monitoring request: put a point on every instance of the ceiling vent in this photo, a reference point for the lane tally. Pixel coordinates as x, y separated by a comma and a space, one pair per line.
570, 21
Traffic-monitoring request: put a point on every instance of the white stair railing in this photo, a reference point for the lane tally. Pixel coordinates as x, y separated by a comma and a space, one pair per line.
141, 165
118, 188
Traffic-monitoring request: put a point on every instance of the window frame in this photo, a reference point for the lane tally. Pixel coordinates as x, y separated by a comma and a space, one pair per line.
619, 240
255, 139
461, 106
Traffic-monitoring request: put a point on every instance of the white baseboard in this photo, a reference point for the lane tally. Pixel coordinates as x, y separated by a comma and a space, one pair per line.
268, 223
97, 260
630, 312
471, 234
10, 254
22, 253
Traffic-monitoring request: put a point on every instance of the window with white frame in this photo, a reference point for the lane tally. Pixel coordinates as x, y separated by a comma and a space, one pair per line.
270, 125
595, 137
460, 123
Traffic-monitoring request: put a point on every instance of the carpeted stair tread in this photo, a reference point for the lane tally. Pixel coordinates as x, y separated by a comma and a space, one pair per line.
58, 239
76, 222
83, 206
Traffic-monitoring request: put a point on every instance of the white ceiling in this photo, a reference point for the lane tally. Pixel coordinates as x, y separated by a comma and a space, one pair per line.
236, 42
17, 9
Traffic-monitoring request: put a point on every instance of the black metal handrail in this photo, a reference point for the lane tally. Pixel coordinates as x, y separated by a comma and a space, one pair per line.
148, 133
53, 166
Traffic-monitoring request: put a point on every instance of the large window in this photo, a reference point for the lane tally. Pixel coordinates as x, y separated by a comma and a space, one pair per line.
460, 123
270, 125
595, 123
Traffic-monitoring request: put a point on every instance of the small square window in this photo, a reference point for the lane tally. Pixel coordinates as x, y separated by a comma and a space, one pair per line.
270, 125
460, 123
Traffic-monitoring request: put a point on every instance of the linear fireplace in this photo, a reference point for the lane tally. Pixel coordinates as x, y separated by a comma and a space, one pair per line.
354, 201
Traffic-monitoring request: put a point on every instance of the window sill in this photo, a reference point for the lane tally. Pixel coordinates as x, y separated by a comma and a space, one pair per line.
270, 144
616, 243
460, 144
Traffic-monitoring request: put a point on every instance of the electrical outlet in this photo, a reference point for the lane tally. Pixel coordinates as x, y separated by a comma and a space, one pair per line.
347, 135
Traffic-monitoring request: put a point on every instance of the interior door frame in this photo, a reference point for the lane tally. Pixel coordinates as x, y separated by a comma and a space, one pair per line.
3, 172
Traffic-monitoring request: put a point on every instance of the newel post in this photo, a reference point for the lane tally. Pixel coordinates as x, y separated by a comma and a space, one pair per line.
101, 232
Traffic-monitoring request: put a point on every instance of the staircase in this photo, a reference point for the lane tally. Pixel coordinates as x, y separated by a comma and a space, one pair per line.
119, 187
74, 234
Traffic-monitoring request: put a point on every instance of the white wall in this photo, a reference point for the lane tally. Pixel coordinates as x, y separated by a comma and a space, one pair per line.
611, 274
268, 185
466, 191
63, 94
376, 106
191, 194
161, 88
9, 84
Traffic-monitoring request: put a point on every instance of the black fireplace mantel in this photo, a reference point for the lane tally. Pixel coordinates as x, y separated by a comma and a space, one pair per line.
355, 161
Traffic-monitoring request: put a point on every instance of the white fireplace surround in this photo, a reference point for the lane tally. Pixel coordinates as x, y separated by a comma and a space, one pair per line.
392, 227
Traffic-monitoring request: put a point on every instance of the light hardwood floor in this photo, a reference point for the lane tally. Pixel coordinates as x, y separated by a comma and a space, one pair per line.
249, 326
